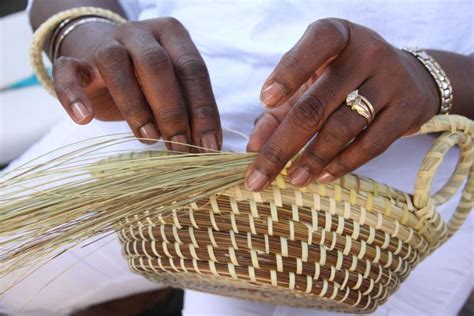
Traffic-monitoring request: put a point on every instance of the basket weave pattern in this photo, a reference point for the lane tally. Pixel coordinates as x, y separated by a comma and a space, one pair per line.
344, 246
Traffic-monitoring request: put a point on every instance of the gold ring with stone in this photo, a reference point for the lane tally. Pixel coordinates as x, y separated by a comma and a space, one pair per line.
361, 105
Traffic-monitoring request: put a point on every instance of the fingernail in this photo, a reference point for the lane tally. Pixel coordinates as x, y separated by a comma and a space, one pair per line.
80, 111
209, 141
180, 143
149, 132
300, 176
273, 94
256, 181
325, 177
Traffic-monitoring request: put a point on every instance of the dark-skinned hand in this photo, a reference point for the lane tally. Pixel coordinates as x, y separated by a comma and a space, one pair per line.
148, 73
305, 97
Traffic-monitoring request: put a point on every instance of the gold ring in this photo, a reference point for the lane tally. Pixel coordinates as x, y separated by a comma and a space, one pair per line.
361, 105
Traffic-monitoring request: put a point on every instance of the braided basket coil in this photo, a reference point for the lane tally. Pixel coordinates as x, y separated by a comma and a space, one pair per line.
345, 246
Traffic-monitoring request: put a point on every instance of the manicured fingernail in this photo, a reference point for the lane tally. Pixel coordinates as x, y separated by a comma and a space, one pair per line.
80, 111
149, 132
300, 176
326, 177
180, 143
210, 141
273, 94
256, 181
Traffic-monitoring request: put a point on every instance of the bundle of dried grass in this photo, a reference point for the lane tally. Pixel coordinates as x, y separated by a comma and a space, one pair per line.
47, 206
187, 220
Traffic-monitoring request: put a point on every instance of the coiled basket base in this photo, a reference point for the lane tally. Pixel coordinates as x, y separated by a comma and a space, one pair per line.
344, 246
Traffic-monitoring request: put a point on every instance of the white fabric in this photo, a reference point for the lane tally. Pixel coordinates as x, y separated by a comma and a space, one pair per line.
241, 42
131, 8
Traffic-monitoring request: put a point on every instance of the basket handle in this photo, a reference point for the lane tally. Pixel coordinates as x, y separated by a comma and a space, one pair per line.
457, 130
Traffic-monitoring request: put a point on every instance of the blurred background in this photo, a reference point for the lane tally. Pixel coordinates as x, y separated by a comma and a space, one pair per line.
27, 112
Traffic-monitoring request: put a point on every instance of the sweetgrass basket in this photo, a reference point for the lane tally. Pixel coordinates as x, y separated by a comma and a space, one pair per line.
344, 246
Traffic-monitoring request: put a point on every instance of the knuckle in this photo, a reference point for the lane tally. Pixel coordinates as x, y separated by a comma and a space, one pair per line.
316, 158
268, 116
274, 154
259, 118
63, 88
171, 23
337, 132
340, 166
292, 64
290, 61
149, 52
154, 59
343, 127
64, 68
124, 27
62, 62
307, 113
191, 68
171, 115
133, 109
372, 146
336, 29
204, 112
111, 53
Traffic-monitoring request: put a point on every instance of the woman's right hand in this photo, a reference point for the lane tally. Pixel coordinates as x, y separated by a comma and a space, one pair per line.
148, 73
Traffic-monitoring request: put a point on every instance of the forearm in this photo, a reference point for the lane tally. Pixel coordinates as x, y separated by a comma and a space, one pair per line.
460, 71
41, 10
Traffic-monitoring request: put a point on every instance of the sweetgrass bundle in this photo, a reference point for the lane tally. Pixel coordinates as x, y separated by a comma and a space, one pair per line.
188, 221
45, 206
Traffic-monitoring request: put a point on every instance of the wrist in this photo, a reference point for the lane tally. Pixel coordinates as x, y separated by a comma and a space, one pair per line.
425, 83
438, 79
84, 38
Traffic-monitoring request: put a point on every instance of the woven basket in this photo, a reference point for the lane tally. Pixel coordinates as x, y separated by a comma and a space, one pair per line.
344, 246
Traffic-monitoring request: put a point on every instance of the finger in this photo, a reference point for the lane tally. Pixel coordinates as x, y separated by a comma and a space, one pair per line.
321, 43
304, 119
340, 128
380, 134
158, 81
115, 67
70, 76
269, 120
265, 126
194, 78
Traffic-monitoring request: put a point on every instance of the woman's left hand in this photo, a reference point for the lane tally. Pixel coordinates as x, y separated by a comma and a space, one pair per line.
306, 93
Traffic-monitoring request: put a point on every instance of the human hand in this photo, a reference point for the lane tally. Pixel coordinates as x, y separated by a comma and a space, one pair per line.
306, 93
148, 73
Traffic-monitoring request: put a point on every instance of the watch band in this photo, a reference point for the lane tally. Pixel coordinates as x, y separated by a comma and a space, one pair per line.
438, 74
